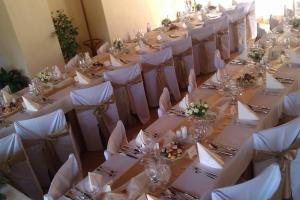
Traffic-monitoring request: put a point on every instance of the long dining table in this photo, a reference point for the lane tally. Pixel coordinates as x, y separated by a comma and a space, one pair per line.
225, 131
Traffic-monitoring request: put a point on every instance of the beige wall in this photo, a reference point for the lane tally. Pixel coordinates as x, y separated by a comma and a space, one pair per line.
10, 51
33, 26
127, 16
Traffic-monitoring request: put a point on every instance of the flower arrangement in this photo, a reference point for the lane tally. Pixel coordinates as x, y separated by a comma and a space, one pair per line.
166, 22
197, 109
198, 6
118, 44
256, 54
44, 76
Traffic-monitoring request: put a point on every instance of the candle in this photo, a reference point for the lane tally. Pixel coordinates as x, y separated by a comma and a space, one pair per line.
184, 132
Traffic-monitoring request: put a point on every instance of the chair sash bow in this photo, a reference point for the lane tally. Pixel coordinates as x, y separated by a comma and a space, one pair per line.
160, 75
284, 160
180, 65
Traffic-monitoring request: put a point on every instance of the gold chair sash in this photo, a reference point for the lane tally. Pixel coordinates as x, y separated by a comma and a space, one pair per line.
160, 76
52, 159
99, 112
203, 48
180, 67
284, 160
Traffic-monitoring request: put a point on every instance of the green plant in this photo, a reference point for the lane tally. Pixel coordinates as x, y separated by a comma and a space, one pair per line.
66, 34
14, 79
166, 22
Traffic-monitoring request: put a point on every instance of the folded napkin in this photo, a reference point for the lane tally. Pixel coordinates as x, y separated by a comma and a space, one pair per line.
141, 139
137, 186
294, 57
215, 79
272, 83
115, 62
209, 158
245, 113
57, 72
82, 79
7, 97
30, 105
95, 182
147, 197
184, 103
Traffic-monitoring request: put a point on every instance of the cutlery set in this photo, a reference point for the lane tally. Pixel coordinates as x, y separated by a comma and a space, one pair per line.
178, 113
261, 109
207, 173
174, 193
285, 80
208, 86
107, 171
226, 151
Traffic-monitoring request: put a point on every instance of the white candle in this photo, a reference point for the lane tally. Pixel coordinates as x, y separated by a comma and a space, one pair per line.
184, 132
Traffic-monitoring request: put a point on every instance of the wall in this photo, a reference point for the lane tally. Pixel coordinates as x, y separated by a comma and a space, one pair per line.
10, 51
33, 26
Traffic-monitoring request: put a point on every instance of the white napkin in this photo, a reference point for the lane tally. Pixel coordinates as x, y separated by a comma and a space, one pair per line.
31, 105
272, 83
147, 197
215, 79
183, 104
140, 140
115, 62
245, 113
209, 158
137, 186
95, 181
82, 79
294, 57
7, 98
57, 72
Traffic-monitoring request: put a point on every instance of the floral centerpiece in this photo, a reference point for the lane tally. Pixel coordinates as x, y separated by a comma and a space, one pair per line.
166, 22
118, 44
198, 7
197, 109
44, 76
256, 54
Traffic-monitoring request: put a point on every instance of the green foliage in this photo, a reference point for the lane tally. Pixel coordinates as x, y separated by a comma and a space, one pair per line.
296, 23
66, 34
14, 79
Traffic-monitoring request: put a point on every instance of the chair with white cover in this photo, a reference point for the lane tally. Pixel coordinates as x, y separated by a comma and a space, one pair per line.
219, 63
263, 187
237, 29
280, 144
221, 29
192, 81
104, 48
291, 106
183, 58
15, 166
159, 72
204, 47
97, 114
129, 92
48, 142
117, 139
68, 175
251, 21
164, 103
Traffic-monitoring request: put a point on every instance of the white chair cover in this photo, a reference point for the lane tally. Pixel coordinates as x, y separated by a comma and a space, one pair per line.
262, 187
192, 81
14, 164
221, 28
279, 139
150, 77
68, 175
117, 139
291, 104
128, 83
219, 63
104, 48
251, 21
183, 58
34, 132
93, 96
204, 47
164, 103
237, 29
73, 62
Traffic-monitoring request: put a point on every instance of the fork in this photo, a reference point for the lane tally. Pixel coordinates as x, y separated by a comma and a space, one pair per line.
209, 174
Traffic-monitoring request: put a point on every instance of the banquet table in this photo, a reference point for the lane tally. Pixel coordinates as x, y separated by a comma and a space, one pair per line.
12, 194
225, 131
60, 96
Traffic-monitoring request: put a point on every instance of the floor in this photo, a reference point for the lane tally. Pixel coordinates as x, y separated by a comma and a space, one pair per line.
91, 160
